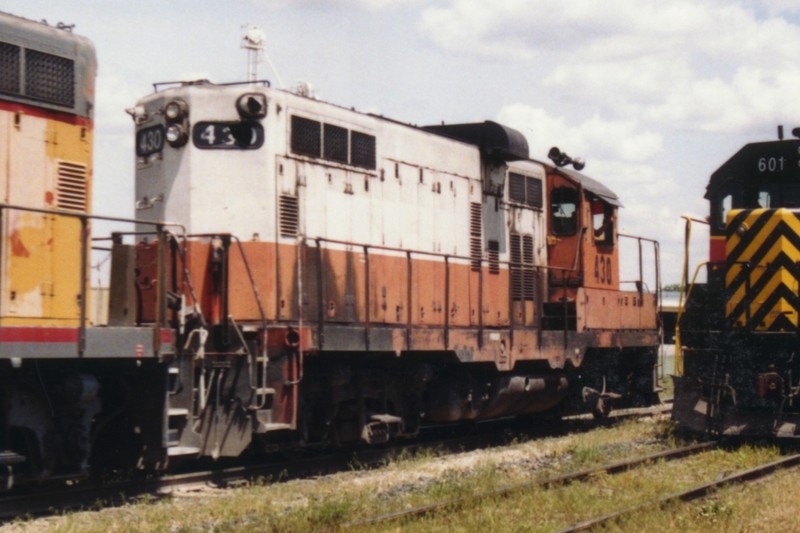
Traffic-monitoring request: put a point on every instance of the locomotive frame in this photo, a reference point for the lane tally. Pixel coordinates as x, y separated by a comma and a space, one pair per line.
328, 277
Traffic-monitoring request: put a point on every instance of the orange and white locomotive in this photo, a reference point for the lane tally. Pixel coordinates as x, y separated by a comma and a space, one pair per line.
300, 274
372, 276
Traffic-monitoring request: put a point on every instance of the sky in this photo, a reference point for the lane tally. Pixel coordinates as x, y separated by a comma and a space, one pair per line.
653, 95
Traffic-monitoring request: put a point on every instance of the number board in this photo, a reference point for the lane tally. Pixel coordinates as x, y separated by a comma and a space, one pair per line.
150, 140
231, 135
768, 159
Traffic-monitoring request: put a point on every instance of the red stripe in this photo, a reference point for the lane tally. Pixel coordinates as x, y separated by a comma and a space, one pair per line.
39, 112
37, 334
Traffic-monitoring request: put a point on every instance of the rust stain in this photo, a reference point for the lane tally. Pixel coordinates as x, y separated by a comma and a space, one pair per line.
18, 248
49, 197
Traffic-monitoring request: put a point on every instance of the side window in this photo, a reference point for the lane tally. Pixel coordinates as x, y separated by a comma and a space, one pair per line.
728, 197
602, 221
564, 210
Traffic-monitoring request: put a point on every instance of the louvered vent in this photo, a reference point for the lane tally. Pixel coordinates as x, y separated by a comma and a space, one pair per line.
523, 274
516, 188
516, 267
475, 236
289, 216
493, 250
530, 274
71, 189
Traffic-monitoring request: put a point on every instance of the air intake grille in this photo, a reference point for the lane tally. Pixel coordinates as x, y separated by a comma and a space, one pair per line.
71, 189
289, 216
306, 136
49, 78
9, 68
475, 236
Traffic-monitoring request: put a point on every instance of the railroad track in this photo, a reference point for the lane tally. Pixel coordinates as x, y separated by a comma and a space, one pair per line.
694, 493
95, 493
582, 475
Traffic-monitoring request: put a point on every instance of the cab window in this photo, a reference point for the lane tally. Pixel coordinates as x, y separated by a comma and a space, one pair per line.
564, 210
728, 197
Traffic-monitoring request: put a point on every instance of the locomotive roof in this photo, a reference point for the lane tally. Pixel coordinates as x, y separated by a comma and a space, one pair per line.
493, 139
743, 165
593, 186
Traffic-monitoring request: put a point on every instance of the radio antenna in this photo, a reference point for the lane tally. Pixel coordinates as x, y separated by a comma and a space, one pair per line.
253, 41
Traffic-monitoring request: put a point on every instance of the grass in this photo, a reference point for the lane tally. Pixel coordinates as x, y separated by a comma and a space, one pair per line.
411, 480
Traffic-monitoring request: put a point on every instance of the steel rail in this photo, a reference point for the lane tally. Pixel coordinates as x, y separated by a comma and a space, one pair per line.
699, 491
582, 475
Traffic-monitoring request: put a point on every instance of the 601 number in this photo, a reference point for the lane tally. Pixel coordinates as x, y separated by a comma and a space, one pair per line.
771, 164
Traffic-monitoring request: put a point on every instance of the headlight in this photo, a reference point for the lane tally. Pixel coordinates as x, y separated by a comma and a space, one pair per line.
252, 105
176, 110
176, 135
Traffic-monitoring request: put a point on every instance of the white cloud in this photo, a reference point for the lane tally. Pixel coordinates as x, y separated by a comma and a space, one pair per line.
710, 66
369, 5
593, 137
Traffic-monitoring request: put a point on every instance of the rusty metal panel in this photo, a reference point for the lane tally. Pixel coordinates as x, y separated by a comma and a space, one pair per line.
388, 288
286, 272
428, 280
243, 304
459, 294
614, 310
495, 298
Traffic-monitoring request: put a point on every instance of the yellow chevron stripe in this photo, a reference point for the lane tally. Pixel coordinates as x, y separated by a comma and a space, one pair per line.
782, 307
782, 245
754, 242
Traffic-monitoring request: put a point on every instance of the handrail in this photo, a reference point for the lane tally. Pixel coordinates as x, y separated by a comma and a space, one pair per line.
84, 219
681, 303
683, 290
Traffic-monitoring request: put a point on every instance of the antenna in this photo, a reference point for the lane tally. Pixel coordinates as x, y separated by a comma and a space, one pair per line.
254, 41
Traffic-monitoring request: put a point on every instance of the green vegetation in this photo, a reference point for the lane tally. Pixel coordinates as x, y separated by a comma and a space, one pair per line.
408, 481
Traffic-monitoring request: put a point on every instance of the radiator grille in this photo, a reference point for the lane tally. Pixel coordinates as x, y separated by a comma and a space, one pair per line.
49, 78
9, 68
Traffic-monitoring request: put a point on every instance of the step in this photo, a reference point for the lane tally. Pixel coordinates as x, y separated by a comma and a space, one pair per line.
178, 451
178, 411
264, 391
